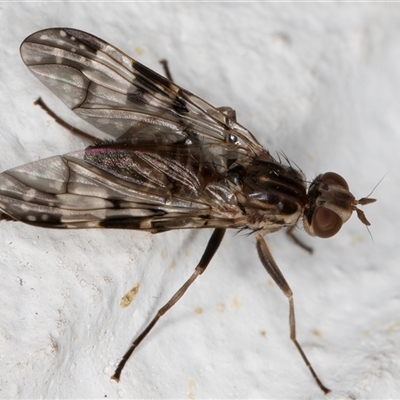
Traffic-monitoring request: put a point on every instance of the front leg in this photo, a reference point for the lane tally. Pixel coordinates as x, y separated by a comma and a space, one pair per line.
275, 273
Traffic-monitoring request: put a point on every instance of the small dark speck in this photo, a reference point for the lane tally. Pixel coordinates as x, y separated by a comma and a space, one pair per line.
137, 95
179, 106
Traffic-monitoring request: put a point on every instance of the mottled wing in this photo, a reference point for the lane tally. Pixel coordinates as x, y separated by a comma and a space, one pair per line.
118, 185
124, 98
176, 163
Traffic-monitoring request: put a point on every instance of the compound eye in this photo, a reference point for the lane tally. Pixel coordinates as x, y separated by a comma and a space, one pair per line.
331, 178
326, 223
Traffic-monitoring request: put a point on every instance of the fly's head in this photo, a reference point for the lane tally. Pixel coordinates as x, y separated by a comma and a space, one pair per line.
330, 204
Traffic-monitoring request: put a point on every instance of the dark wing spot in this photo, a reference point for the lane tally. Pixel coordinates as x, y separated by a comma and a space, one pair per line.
137, 96
121, 223
149, 76
93, 42
179, 106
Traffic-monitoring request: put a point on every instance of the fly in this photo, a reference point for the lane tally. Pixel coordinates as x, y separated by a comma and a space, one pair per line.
173, 161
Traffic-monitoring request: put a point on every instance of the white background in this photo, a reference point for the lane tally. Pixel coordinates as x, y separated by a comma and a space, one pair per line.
320, 82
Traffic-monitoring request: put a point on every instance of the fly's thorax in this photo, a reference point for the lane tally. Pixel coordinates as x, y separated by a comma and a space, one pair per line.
271, 195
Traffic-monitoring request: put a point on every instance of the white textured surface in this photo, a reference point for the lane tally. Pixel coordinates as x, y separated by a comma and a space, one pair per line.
320, 82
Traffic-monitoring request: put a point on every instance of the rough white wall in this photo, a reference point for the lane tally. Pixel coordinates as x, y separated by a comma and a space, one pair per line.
321, 83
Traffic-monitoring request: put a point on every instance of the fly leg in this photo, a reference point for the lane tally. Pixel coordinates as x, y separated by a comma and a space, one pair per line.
208, 254
296, 240
39, 102
167, 72
275, 273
